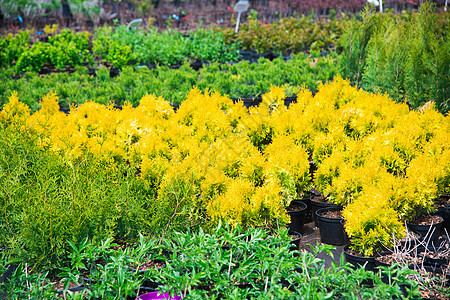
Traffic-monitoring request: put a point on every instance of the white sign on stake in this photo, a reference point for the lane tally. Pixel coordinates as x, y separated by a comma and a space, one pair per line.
377, 3
240, 7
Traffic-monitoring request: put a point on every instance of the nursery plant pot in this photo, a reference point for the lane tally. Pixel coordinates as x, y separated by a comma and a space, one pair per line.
430, 233
245, 55
289, 100
331, 229
379, 262
412, 242
307, 200
359, 261
74, 289
444, 212
295, 242
430, 258
315, 205
248, 102
297, 211
156, 295
346, 237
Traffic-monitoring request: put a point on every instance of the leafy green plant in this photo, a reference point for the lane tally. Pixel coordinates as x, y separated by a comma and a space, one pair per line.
11, 47
287, 35
61, 201
109, 50
64, 49
241, 80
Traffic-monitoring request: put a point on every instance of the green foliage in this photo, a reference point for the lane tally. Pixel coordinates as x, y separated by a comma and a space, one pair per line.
69, 49
48, 201
11, 47
288, 35
405, 56
353, 43
170, 47
109, 50
245, 80
62, 50
241, 80
227, 262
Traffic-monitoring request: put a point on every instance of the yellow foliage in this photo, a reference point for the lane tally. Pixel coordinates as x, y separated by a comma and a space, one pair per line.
14, 112
384, 163
371, 223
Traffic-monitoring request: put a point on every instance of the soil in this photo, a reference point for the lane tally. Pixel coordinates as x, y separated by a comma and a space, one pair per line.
151, 264
334, 214
295, 208
319, 198
59, 285
401, 258
354, 253
427, 220
439, 255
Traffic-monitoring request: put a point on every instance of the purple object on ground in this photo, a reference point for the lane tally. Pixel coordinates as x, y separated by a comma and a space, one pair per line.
155, 296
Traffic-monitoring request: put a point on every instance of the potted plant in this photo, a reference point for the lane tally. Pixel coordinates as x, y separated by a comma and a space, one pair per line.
330, 226
370, 223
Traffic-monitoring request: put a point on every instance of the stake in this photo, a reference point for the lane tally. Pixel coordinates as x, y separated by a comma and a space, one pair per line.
237, 23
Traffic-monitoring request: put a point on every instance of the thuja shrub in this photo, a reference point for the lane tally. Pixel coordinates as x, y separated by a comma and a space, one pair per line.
213, 160
390, 176
183, 168
405, 57
50, 200
63, 50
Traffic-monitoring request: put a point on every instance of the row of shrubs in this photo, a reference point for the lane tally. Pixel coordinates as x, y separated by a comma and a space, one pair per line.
228, 263
240, 80
404, 55
119, 45
99, 171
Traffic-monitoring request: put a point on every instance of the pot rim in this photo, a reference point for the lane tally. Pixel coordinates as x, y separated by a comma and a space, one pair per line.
326, 209
303, 204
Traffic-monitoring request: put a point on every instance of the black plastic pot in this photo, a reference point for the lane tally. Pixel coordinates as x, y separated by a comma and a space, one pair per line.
315, 205
245, 55
75, 289
248, 102
331, 229
346, 237
10, 268
444, 212
289, 100
307, 200
435, 262
411, 243
295, 243
297, 212
359, 261
379, 263
430, 233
